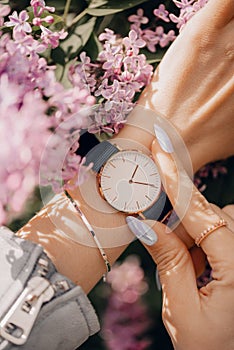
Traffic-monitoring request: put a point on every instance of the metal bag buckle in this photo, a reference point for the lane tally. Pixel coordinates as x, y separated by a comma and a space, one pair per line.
19, 320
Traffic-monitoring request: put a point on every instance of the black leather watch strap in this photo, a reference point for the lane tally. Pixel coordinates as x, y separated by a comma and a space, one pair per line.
100, 154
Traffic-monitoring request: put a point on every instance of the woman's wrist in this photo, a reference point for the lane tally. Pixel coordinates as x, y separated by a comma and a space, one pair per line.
140, 129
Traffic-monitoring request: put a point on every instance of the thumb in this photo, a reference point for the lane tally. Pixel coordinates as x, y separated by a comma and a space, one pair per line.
174, 263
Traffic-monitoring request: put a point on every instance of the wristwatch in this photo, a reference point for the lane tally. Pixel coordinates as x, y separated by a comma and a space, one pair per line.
129, 181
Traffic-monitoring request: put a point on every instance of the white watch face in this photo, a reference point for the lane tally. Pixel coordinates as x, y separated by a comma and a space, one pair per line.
130, 182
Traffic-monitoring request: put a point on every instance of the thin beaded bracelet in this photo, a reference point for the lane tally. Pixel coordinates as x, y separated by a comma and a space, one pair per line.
91, 230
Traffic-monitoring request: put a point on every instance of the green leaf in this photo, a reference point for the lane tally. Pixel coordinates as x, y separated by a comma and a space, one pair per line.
97, 3
61, 73
104, 8
101, 11
93, 47
58, 55
78, 37
75, 6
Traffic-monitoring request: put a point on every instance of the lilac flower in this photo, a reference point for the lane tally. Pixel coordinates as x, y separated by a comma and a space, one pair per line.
28, 83
162, 13
152, 36
37, 21
39, 7
108, 91
83, 75
165, 39
113, 61
133, 43
4, 11
183, 3
157, 37
180, 20
151, 39
114, 79
19, 22
25, 44
125, 320
108, 36
187, 10
51, 38
20, 153
127, 279
139, 18
199, 4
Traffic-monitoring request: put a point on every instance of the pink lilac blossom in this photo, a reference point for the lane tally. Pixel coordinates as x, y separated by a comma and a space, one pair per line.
32, 105
125, 320
39, 7
37, 21
157, 37
19, 22
21, 144
50, 38
162, 13
139, 18
4, 11
152, 36
188, 8
114, 79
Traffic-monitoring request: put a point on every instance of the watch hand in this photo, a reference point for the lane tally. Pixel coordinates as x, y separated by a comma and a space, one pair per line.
134, 172
143, 183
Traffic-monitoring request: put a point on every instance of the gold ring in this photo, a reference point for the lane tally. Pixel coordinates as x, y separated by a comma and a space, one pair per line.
209, 230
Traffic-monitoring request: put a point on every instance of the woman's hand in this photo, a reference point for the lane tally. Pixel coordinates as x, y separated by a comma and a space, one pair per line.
195, 318
194, 83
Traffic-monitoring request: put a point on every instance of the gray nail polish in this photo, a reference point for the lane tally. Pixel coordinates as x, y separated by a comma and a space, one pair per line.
163, 139
172, 222
141, 230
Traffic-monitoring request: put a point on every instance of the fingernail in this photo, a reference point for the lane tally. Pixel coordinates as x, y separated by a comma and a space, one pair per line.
157, 279
141, 230
163, 139
172, 222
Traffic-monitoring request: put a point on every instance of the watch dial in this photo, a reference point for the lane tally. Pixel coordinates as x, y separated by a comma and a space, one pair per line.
130, 181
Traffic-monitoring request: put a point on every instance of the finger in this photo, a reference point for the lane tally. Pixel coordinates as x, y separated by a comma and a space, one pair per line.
174, 264
199, 214
181, 232
227, 213
197, 255
229, 210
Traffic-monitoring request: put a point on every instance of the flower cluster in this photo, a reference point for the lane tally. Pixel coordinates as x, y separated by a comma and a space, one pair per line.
114, 79
125, 320
188, 8
33, 105
152, 36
